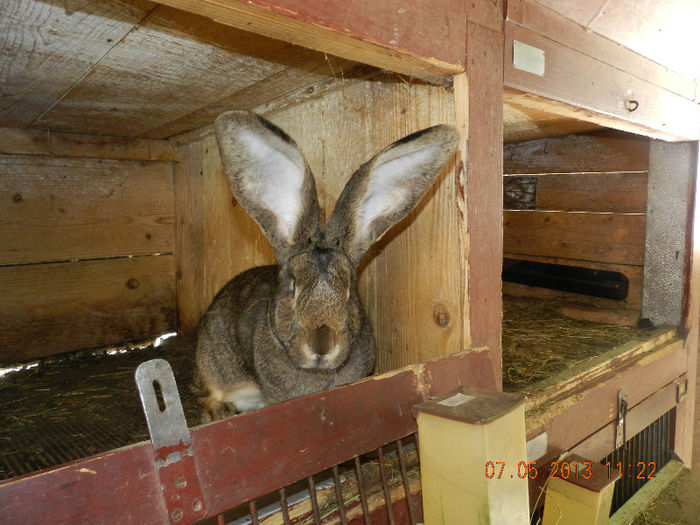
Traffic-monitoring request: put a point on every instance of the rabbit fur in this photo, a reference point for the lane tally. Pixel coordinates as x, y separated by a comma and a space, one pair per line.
275, 333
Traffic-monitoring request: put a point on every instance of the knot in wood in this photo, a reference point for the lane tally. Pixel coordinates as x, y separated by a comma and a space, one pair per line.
441, 316
132, 284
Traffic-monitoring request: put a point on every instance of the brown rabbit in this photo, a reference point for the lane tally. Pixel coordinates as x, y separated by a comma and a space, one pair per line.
274, 333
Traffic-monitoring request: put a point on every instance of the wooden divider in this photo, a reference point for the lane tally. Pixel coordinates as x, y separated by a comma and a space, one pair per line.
86, 242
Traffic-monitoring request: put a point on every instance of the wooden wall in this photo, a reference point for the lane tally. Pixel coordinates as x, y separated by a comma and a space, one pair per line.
589, 212
413, 282
86, 242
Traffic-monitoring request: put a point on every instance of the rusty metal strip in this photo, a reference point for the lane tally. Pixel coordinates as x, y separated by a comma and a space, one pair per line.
406, 486
385, 486
172, 450
339, 496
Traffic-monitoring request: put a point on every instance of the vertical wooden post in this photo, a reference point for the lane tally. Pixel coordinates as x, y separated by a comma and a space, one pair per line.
687, 424
484, 176
473, 458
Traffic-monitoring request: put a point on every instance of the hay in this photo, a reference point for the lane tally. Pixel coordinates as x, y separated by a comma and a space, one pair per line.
539, 342
81, 404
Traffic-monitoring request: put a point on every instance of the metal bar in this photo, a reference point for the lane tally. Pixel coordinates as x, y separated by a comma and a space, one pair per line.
253, 512
361, 489
285, 507
339, 496
385, 486
406, 485
314, 501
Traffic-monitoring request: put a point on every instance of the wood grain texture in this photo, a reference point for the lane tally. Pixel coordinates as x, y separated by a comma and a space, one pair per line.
603, 237
599, 152
215, 238
65, 209
617, 34
423, 40
49, 46
53, 308
586, 88
484, 189
592, 192
24, 142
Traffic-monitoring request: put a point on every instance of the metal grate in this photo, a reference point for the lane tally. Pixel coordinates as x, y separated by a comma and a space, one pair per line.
640, 459
381, 486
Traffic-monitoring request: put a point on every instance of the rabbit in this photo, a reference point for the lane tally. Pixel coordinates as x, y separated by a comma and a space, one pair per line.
275, 333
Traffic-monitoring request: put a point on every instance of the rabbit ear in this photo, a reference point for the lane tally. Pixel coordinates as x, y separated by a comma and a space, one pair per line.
385, 189
270, 179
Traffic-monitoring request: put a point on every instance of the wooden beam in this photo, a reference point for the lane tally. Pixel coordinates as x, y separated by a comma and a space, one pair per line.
424, 39
577, 85
484, 189
24, 142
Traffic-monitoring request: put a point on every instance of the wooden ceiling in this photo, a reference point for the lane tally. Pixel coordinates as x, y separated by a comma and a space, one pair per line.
135, 68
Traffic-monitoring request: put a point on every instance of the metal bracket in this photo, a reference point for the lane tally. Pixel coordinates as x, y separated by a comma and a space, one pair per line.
170, 437
621, 428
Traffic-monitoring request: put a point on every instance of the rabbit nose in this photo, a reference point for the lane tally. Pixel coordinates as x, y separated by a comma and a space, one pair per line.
322, 340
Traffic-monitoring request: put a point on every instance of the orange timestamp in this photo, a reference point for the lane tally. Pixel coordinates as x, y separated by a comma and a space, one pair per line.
528, 469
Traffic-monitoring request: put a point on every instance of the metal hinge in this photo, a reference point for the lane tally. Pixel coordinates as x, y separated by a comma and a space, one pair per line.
621, 428
170, 437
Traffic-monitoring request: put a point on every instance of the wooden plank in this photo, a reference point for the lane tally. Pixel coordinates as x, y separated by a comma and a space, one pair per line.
48, 47
310, 74
610, 42
189, 64
67, 209
52, 308
485, 190
24, 142
603, 237
121, 486
425, 40
601, 152
638, 418
521, 122
593, 192
579, 86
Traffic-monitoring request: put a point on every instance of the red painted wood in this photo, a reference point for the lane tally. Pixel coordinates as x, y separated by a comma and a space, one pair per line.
120, 487
485, 190
422, 27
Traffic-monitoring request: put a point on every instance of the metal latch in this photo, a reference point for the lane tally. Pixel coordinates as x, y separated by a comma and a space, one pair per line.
170, 437
621, 428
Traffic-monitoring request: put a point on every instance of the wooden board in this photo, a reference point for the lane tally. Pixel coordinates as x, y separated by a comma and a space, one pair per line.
614, 33
65, 209
52, 308
48, 46
603, 237
483, 171
600, 152
592, 192
586, 88
24, 142
426, 40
